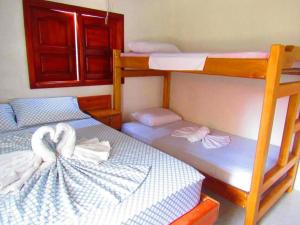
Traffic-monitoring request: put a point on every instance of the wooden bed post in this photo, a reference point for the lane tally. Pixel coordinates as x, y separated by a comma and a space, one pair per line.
166, 90
117, 76
296, 151
272, 82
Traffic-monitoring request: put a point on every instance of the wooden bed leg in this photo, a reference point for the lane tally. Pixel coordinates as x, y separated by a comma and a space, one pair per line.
117, 75
166, 90
266, 123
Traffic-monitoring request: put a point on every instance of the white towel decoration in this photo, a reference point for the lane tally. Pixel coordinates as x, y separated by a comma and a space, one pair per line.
38, 143
65, 137
16, 168
194, 134
92, 150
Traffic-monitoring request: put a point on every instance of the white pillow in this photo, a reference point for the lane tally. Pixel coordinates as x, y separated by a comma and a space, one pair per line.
151, 47
155, 116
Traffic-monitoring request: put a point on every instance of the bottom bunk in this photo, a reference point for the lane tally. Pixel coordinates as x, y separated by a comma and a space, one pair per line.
227, 167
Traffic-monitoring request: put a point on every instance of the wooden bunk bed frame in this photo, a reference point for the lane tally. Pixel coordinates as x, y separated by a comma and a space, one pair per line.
267, 188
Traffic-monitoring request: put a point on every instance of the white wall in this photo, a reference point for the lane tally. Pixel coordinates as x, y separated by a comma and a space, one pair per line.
139, 24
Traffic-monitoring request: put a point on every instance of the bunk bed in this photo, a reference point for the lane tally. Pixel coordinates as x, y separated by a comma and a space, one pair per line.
266, 188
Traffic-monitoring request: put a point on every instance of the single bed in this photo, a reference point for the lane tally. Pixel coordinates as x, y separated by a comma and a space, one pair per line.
232, 164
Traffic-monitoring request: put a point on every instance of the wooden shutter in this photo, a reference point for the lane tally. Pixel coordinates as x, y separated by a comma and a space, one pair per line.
53, 44
98, 41
70, 45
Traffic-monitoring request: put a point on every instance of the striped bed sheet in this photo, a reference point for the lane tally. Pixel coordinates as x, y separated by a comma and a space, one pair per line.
160, 199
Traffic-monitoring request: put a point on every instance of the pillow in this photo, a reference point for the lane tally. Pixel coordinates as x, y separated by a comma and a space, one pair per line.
155, 116
7, 118
151, 47
35, 111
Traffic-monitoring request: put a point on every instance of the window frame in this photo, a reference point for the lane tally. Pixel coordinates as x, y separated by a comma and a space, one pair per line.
33, 75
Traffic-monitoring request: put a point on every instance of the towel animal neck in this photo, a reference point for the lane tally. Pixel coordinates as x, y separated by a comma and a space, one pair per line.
65, 137
38, 145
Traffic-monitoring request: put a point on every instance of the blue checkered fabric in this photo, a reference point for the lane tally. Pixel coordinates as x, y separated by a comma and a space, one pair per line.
170, 190
35, 111
67, 189
7, 118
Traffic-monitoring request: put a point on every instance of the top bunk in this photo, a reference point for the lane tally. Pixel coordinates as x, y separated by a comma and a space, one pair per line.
239, 64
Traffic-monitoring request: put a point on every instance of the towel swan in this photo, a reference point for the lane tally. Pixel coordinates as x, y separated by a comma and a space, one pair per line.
39, 147
67, 143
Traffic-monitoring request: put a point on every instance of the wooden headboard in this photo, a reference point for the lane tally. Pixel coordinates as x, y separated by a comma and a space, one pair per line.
94, 102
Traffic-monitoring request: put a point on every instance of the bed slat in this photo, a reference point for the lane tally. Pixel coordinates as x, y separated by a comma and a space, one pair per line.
288, 89
143, 73
274, 195
277, 172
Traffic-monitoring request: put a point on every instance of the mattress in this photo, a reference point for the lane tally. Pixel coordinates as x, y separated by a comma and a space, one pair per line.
241, 55
160, 199
232, 164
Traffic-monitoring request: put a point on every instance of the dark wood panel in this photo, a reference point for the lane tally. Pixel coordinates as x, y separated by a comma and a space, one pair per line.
53, 31
94, 102
55, 63
97, 65
96, 36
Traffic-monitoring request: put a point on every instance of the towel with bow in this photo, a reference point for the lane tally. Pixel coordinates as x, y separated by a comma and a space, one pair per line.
194, 134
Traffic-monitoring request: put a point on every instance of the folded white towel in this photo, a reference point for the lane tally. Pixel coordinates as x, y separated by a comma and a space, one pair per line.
211, 141
16, 168
177, 61
7, 177
92, 150
19, 166
194, 134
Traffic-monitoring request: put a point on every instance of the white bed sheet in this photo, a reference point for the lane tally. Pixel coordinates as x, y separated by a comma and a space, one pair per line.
231, 164
160, 199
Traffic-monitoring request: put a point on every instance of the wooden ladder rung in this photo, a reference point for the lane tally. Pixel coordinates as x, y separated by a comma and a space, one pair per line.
276, 173
274, 195
288, 89
297, 126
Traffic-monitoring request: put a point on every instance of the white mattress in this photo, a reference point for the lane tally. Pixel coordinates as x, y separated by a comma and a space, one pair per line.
240, 55
171, 189
232, 164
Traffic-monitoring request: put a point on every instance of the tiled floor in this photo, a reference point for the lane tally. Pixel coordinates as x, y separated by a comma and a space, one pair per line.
285, 212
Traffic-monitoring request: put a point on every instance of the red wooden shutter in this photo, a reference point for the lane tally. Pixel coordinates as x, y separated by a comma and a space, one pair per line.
98, 41
53, 41
70, 45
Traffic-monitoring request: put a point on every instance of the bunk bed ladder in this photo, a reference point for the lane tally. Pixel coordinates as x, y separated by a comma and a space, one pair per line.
266, 189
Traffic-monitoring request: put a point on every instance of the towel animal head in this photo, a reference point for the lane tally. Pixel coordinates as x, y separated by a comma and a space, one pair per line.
65, 137
38, 145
